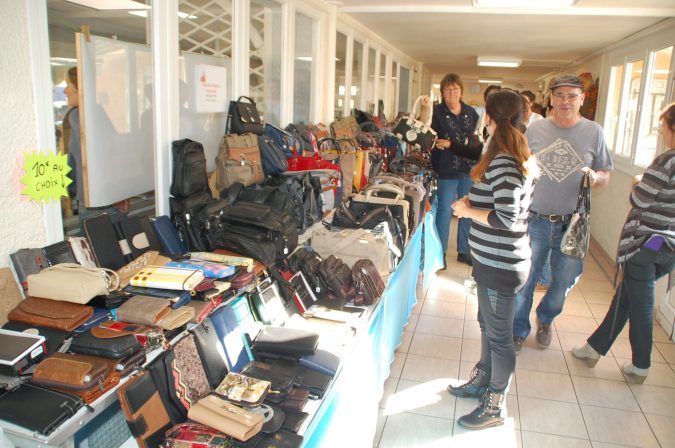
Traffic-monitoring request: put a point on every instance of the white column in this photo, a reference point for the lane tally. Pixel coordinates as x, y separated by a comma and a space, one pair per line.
241, 21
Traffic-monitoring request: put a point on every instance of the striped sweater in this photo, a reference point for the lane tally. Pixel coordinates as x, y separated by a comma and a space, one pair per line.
653, 212
501, 251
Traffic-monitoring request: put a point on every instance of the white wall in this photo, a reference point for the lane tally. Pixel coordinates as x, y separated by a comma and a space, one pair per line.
22, 223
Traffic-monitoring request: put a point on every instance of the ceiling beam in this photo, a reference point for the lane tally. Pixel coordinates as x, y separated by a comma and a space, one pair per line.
569, 11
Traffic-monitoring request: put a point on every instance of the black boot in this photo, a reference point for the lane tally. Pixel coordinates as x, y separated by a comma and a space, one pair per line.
487, 414
475, 387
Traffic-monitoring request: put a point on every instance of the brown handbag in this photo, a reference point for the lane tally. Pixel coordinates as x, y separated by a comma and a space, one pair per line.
85, 376
51, 313
240, 147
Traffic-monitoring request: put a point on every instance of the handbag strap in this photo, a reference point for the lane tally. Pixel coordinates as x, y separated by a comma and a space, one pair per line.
584, 199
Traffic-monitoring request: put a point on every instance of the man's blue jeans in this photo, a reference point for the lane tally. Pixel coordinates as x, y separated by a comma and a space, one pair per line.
545, 239
448, 191
636, 304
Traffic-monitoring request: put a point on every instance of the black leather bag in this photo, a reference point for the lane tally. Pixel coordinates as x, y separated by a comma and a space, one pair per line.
210, 351
415, 133
38, 409
243, 117
189, 169
88, 343
272, 155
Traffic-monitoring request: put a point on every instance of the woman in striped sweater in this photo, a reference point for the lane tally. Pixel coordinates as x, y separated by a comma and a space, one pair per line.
498, 204
646, 254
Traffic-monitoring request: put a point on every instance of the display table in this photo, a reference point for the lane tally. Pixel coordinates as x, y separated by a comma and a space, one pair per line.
348, 413
347, 416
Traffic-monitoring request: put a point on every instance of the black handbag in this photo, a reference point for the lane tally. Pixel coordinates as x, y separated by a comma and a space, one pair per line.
415, 133
273, 158
575, 240
243, 117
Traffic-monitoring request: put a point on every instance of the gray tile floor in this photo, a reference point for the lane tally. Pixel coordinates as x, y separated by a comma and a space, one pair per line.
554, 400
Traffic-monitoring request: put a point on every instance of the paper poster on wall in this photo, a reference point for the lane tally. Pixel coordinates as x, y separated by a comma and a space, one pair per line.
46, 176
210, 88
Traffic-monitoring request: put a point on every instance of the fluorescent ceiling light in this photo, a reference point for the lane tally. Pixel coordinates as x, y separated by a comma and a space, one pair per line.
497, 61
436, 86
111, 4
304, 58
182, 15
490, 81
537, 4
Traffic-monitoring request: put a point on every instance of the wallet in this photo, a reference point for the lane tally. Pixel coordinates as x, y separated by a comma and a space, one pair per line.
243, 390
143, 410
51, 313
104, 343
203, 308
285, 341
81, 248
175, 297
322, 361
60, 252
209, 268
195, 435
210, 351
38, 409
127, 365
146, 310
151, 257
27, 262
226, 417
100, 315
167, 278
86, 376
150, 338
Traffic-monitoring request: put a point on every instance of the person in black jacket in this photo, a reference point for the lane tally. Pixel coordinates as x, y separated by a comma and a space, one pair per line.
455, 123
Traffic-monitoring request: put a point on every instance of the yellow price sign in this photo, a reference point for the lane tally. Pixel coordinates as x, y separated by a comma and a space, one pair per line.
45, 176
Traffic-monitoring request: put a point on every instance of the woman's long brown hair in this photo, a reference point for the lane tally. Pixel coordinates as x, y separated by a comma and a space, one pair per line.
505, 108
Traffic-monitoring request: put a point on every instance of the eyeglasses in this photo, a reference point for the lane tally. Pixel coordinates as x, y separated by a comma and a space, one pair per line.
569, 97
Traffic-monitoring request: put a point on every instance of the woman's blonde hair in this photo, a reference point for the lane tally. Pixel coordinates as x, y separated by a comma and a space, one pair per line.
505, 108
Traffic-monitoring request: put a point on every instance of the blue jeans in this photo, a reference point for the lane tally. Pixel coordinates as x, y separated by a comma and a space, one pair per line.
449, 190
497, 354
636, 303
545, 239
545, 278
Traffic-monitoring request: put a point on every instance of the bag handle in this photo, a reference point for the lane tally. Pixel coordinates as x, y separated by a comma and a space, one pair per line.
110, 277
246, 98
384, 187
584, 198
417, 102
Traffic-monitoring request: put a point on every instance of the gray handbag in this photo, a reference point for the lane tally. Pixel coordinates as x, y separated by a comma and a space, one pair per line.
576, 238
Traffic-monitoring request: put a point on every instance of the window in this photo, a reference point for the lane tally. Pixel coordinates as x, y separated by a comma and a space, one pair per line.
357, 67
382, 86
340, 64
637, 94
403, 90
370, 83
265, 58
304, 67
391, 107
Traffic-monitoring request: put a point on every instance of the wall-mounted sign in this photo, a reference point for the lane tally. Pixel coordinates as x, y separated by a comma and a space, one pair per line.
45, 176
210, 88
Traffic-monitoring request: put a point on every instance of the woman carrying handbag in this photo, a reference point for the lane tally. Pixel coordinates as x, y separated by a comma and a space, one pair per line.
645, 255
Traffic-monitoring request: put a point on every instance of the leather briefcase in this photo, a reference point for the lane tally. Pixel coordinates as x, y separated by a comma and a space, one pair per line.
51, 313
85, 376
38, 409
143, 410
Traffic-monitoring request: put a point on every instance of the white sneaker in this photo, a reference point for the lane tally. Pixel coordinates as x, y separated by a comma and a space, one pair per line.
636, 373
587, 353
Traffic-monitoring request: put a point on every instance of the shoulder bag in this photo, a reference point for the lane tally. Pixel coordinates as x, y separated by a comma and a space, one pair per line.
243, 117
71, 282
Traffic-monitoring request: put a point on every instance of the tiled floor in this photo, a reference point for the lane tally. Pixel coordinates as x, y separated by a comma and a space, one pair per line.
554, 399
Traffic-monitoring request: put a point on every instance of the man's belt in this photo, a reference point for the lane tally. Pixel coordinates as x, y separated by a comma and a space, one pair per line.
552, 218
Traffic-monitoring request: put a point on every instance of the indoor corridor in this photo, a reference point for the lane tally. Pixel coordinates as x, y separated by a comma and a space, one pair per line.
554, 399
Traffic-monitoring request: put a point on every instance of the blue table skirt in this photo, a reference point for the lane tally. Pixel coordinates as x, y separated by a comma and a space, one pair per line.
348, 415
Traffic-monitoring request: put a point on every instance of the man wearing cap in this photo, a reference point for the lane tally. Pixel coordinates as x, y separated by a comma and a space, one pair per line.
565, 144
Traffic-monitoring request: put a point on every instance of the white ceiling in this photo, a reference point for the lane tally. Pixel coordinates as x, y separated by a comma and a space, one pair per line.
448, 35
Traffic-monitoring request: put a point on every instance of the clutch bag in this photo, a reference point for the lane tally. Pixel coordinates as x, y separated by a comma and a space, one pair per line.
167, 278
226, 417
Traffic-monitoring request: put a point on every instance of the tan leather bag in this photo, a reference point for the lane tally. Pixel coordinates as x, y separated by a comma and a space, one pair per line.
226, 417
51, 313
9, 291
231, 171
241, 147
86, 376
146, 310
71, 282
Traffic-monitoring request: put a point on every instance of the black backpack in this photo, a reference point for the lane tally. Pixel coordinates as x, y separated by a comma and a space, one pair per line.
189, 169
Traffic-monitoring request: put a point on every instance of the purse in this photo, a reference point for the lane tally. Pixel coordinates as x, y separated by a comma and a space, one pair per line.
51, 313
243, 117
89, 343
150, 338
576, 238
146, 310
415, 133
167, 278
187, 379
85, 376
243, 390
239, 148
71, 282
226, 417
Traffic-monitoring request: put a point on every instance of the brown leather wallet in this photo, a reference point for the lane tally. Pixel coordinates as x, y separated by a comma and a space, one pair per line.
85, 376
51, 313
